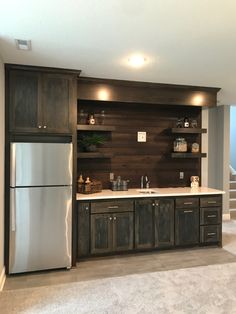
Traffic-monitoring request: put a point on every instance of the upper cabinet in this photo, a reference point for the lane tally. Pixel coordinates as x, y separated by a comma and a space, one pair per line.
40, 101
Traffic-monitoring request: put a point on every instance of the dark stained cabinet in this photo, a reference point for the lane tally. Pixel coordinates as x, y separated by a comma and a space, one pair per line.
123, 231
121, 225
111, 232
186, 226
164, 222
101, 233
83, 229
24, 110
144, 223
211, 220
40, 102
57, 99
154, 223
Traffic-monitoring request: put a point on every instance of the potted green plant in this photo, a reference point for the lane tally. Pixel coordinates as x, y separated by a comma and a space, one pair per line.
90, 143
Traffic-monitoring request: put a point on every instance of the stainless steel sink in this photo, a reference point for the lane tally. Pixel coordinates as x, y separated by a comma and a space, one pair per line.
147, 191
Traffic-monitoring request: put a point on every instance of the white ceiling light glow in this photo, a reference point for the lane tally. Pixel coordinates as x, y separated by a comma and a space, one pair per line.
137, 61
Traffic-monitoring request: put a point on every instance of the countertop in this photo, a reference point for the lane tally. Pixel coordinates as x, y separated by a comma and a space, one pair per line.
159, 192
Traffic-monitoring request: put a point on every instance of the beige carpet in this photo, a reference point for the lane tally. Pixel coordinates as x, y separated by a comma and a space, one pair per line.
208, 289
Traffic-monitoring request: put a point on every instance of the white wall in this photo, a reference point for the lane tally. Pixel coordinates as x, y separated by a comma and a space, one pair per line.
219, 151
1, 170
233, 136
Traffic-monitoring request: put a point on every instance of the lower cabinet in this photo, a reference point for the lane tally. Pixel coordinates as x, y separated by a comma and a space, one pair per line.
154, 223
211, 220
186, 226
144, 227
83, 229
108, 226
111, 232
164, 222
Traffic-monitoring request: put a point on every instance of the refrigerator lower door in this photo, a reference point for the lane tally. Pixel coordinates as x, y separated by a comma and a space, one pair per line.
40, 228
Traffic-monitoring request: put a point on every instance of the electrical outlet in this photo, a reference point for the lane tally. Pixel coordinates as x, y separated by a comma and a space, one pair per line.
141, 137
111, 176
181, 175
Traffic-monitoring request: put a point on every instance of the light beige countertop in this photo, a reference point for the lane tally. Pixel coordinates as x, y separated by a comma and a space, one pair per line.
152, 192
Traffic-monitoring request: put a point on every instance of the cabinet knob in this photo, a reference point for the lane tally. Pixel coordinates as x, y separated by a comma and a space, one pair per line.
86, 208
114, 218
153, 204
110, 218
44, 126
40, 126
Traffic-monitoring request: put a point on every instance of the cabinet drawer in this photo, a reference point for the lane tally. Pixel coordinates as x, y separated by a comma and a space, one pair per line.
187, 202
210, 201
210, 234
112, 206
210, 216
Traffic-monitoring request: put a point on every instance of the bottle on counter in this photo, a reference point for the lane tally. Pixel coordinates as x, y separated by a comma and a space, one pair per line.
80, 183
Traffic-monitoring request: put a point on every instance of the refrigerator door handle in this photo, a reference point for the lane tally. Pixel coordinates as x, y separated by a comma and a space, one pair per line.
13, 209
13, 165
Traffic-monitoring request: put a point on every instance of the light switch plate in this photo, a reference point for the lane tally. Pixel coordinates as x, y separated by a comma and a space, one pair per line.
141, 137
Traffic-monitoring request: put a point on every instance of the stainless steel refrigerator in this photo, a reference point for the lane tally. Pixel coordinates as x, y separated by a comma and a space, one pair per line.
40, 206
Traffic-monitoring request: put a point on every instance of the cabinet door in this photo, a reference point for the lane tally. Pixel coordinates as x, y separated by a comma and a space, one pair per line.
83, 229
57, 102
101, 233
24, 98
123, 231
144, 223
164, 223
186, 226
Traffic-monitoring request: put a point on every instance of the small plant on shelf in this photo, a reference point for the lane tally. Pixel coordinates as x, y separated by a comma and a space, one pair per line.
90, 143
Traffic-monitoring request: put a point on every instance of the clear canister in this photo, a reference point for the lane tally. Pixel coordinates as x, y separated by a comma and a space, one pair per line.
180, 145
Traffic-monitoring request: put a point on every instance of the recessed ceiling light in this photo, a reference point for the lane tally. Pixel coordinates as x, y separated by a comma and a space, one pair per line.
22, 44
137, 61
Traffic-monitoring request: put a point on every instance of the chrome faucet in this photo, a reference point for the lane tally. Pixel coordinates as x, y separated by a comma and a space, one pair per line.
145, 183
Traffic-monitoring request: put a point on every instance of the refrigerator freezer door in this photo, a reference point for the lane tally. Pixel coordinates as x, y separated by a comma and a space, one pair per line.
40, 164
40, 228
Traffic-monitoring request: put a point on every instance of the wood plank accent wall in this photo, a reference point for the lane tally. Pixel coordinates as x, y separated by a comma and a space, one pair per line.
132, 159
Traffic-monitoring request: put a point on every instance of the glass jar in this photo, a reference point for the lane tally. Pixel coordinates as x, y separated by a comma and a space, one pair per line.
180, 145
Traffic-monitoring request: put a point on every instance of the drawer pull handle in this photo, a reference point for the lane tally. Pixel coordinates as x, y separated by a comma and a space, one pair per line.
188, 211
188, 203
211, 216
211, 202
113, 207
211, 233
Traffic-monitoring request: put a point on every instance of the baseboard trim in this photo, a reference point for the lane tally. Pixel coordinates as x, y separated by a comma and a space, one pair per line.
226, 217
2, 279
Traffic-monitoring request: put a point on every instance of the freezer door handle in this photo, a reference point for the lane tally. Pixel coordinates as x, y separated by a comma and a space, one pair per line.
13, 164
13, 210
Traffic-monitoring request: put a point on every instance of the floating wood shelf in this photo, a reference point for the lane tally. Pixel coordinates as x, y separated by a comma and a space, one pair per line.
94, 155
188, 155
86, 127
188, 130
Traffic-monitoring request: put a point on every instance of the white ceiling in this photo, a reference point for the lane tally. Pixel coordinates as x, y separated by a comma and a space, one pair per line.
185, 41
